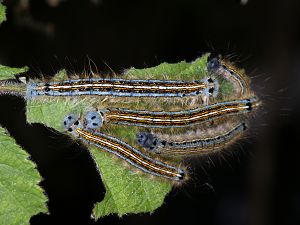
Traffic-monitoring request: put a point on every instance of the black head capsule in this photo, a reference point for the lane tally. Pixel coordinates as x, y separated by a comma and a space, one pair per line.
93, 120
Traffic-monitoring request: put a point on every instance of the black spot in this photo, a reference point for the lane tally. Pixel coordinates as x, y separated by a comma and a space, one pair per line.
210, 80
93, 117
76, 123
211, 90
70, 129
69, 117
163, 143
65, 123
95, 124
244, 126
197, 92
154, 142
249, 104
181, 176
47, 87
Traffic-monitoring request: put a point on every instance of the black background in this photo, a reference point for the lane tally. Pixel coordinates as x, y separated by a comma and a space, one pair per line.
257, 182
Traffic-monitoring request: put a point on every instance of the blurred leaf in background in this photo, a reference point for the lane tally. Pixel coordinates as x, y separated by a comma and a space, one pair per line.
2, 13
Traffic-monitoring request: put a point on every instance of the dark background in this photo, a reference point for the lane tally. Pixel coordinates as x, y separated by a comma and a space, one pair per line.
257, 182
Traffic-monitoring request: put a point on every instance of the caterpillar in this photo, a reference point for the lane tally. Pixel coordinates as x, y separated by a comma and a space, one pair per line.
124, 88
240, 82
122, 150
191, 147
160, 119
12, 86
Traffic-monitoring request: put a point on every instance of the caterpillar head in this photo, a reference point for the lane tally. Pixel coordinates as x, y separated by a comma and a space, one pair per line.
93, 120
213, 64
147, 141
71, 123
212, 86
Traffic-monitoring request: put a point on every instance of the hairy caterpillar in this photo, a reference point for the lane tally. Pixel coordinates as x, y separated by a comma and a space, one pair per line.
190, 147
178, 118
122, 150
124, 88
227, 71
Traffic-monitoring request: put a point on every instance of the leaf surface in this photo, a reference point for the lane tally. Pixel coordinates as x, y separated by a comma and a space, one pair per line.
9, 72
20, 195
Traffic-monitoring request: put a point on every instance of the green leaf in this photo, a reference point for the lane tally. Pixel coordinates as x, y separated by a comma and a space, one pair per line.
51, 112
20, 195
9, 72
2, 13
195, 70
126, 191
61, 75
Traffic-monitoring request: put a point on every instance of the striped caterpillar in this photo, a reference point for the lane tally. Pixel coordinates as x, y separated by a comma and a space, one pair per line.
160, 119
241, 83
124, 88
198, 146
122, 150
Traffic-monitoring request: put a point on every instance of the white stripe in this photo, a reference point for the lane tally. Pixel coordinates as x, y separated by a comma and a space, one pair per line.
175, 120
123, 86
95, 139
